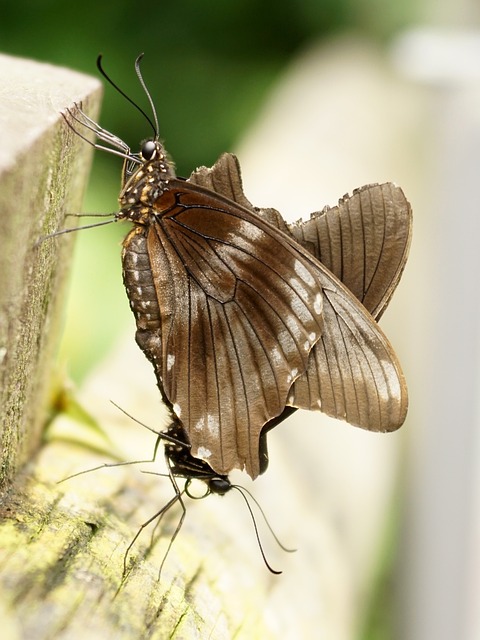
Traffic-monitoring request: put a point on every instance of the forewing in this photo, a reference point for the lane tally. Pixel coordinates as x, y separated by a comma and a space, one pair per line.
241, 308
225, 178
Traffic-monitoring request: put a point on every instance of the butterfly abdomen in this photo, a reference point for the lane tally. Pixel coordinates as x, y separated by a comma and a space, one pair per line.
138, 281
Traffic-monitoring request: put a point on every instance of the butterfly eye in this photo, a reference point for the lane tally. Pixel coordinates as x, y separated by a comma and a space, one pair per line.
148, 150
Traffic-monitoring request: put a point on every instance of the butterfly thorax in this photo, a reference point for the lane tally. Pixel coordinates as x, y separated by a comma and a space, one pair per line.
146, 184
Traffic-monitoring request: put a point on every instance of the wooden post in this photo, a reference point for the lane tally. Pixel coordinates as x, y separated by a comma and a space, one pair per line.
43, 172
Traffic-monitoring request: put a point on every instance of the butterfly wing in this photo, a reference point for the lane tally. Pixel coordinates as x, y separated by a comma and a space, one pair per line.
240, 309
353, 372
364, 241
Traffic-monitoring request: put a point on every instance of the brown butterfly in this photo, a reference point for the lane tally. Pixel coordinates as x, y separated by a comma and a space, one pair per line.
246, 318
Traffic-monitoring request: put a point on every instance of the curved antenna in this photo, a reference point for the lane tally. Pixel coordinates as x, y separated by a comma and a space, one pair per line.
147, 92
257, 535
122, 93
262, 512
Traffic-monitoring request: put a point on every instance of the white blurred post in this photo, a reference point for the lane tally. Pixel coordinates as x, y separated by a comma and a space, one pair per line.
441, 543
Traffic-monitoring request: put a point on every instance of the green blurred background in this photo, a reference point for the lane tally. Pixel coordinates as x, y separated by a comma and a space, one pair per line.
209, 67
208, 64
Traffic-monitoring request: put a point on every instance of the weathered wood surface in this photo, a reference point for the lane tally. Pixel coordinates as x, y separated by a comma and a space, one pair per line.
43, 172
62, 545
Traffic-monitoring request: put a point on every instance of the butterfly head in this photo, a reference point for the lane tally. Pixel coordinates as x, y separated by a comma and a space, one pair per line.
147, 182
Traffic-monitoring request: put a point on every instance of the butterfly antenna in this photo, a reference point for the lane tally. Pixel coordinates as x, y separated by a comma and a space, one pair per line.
262, 512
257, 535
122, 93
147, 93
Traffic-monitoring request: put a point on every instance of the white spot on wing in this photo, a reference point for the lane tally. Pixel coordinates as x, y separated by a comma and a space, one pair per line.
170, 361
176, 410
303, 273
292, 375
212, 425
204, 453
310, 342
249, 230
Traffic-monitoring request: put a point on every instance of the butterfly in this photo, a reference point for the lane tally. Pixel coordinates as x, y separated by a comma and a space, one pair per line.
246, 318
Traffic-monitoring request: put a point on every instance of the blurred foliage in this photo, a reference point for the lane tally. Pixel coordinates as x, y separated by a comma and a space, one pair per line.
208, 65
